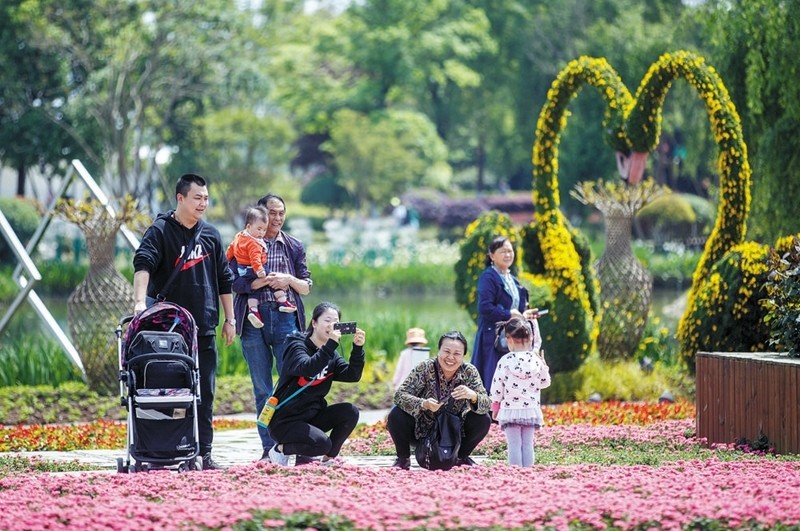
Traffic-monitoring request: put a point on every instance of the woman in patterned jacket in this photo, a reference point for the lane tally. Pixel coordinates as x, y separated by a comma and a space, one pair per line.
419, 398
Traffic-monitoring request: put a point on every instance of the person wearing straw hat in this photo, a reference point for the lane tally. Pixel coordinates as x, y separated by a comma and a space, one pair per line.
414, 352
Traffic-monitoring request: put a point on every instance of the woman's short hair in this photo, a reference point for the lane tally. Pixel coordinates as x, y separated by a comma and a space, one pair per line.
455, 335
496, 243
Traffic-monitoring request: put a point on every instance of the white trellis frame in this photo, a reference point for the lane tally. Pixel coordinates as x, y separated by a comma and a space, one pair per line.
26, 275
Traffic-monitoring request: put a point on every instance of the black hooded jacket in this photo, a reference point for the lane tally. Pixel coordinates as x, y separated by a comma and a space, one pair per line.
304, 362
203, 277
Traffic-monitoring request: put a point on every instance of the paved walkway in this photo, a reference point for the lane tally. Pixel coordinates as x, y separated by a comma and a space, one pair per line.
231, 447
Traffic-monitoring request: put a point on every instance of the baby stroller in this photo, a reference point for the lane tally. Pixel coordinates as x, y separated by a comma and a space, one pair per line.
159, 386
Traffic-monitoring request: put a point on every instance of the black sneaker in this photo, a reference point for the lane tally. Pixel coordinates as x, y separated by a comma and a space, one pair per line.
301, 460
210, 464
465, 461
403, 463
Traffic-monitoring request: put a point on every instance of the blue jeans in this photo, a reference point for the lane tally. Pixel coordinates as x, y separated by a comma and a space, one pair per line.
259, 346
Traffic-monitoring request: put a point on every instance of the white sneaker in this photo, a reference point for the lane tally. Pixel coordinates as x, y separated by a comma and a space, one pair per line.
254, 320
278, 457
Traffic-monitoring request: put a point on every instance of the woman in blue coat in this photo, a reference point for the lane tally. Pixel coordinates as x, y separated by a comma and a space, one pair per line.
500, 297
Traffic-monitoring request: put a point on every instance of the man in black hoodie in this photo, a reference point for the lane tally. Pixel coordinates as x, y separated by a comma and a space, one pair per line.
203, 282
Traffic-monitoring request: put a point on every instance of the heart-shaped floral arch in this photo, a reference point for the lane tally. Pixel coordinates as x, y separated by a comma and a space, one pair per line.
633, 126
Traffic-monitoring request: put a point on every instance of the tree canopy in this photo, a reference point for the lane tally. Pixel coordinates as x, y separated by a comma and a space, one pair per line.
381, 96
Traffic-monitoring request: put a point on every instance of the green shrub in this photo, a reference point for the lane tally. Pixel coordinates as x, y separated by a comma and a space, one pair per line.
234, 395
23, 216
705, 212
669, 269
59, 279
620, 380
8, 288
725, 314
676, 217
658, 344
327, 191
669, 209
623, 380
782, 304
569, 330
68, 402
584, 251
230, 361
75, 402
472, 253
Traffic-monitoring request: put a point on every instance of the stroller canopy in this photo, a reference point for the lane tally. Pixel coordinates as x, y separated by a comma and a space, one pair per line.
162, 317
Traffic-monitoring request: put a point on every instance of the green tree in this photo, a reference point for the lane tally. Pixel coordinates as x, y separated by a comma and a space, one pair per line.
30, 80
756, 44
393, 54
380, 155
243, 153
134, 72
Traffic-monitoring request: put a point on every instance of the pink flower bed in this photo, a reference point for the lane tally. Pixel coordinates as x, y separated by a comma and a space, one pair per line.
693, 492
671, 432
672, 495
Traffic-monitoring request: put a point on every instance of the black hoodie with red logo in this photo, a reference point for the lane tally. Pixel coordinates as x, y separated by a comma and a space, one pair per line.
303, 362
203, 277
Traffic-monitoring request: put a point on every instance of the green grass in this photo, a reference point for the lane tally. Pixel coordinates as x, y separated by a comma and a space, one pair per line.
20, 464
629, 452
33, 360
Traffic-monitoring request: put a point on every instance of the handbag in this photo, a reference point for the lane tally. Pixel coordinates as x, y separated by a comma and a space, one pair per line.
273, 404
439, 449
500, 343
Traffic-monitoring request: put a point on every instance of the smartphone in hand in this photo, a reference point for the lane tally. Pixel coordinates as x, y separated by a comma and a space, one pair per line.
347, 327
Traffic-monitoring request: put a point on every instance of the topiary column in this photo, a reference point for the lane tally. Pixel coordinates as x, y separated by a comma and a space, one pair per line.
104, 296
625, 285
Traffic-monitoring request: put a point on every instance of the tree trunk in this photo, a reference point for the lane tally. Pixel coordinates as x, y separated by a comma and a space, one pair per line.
21, 172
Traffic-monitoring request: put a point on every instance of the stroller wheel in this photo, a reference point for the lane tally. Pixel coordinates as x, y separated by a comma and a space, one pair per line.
183, 467
196, 463
121, 468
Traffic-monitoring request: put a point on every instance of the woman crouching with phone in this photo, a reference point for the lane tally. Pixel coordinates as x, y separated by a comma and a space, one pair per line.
311, 364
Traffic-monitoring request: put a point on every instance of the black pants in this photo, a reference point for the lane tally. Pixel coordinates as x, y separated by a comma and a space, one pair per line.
401, 428
207, 356
310, 439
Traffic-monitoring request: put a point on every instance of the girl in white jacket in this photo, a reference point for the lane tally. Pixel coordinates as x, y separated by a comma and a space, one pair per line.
516, 391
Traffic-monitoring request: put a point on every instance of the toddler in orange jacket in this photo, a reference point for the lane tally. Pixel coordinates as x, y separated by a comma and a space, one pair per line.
250, 251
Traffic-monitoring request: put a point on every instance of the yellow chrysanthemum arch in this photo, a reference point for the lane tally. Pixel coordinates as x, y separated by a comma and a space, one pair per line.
631, 125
